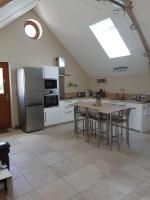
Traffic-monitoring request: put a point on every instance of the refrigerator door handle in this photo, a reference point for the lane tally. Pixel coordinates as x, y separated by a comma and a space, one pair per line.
45, 117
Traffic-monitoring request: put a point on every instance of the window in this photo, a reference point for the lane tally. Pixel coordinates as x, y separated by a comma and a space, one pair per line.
1, 82
110, 39
33, 29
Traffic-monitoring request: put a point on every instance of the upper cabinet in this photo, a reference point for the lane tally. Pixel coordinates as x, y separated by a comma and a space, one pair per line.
50, 72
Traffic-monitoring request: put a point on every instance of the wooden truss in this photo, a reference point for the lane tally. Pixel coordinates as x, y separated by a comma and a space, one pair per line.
128, 7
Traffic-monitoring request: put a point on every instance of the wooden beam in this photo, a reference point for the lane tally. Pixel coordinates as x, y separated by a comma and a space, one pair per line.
128, 7
3, 2
117, 3
138, 28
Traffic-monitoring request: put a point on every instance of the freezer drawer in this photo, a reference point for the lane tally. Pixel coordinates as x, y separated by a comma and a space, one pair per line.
34, 118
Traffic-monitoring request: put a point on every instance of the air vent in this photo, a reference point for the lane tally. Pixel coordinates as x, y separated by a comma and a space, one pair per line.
101, 80
121, 69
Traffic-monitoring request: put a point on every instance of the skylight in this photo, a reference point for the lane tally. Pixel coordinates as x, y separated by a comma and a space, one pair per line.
110, 39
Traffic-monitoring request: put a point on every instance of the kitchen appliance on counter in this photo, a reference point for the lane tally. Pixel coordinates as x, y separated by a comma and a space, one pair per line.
143, 98
81, 94
88, 93
30, 98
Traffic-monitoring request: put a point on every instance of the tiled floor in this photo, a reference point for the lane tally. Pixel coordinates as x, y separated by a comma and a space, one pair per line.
53, 164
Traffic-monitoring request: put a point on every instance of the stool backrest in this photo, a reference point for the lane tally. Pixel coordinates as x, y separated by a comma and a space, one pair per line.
80, 110
124, 114
92, 113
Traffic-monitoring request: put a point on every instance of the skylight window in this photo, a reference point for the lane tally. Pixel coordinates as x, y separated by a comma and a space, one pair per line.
110, 39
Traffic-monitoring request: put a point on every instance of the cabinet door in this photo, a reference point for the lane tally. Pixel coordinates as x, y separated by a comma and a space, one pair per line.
67, 115
51, 116
50, 72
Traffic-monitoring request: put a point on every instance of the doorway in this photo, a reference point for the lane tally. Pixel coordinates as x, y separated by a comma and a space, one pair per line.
5, 107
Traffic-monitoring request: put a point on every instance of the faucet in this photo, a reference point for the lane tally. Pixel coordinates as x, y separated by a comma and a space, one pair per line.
123, 93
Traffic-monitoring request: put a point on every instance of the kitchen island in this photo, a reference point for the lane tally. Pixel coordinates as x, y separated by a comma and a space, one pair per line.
64, 113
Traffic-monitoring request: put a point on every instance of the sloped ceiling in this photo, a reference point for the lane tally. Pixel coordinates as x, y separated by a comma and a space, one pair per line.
69, 20
13, 9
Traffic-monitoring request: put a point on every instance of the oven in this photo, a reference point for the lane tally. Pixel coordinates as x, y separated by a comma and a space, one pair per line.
50, 84
51, 100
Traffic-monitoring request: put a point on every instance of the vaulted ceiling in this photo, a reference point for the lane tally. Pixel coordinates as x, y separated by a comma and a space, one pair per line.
69, 20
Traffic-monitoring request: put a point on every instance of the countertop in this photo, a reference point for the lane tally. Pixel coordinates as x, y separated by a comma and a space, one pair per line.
109, 99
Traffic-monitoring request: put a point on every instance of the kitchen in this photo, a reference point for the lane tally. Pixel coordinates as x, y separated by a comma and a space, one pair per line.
86, 65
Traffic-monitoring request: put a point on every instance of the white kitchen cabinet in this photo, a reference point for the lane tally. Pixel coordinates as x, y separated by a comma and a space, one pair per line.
51, 116
139, 117
50, 72
135, 120
67, 110
146, 117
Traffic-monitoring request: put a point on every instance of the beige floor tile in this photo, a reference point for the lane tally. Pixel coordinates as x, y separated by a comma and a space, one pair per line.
101, 191
101, 168
60, 144
73, 149
40, 151
21, 186
15, 171
65, 167
22, 156
41, 177
53, 157
85, 158
75, 198
117, 159
58, 190
123, 181
81, 179
141, 193
58, 149
29, 196
29, 166
137, 171
17, 148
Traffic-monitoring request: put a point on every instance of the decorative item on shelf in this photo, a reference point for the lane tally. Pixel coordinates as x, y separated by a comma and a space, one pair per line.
72, 85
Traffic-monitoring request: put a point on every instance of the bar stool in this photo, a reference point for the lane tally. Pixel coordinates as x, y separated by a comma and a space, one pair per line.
104, 121
93, 125
80, 116
121, 120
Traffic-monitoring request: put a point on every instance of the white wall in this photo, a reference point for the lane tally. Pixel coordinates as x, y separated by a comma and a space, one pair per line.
19, 50
133, 84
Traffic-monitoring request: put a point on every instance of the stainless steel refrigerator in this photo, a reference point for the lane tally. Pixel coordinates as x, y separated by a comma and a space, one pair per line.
30, 98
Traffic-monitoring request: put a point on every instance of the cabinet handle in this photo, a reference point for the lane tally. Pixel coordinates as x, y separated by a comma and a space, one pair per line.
69, 106
69, 112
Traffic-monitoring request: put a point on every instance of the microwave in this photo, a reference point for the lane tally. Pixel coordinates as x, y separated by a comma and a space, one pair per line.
51, 100
50, 84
